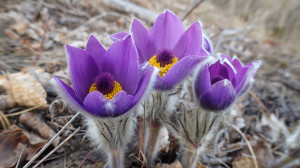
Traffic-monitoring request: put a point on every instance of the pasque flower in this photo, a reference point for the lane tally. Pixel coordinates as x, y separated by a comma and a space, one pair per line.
175, 51
106, 83
168, 46
107, 87
218, 84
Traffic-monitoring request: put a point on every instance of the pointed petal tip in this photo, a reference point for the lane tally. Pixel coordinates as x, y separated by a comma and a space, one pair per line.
118, 36
92, 36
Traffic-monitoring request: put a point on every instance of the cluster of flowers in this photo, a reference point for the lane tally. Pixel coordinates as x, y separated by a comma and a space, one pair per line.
166, 73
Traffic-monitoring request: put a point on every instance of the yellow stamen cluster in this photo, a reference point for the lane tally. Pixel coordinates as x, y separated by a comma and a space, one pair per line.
117, 89
164, 69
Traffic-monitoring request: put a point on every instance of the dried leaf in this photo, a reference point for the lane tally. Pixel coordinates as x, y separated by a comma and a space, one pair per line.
33, 149
244, 162
20, 27
34, 122
11, 146
200, 165
25, 90
175, 164
6, 101
11, 34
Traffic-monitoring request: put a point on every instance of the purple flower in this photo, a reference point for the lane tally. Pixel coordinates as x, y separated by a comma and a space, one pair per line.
169, 47
217, 85
106, 83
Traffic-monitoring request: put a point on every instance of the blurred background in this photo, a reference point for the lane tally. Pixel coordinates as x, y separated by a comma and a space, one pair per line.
32, 38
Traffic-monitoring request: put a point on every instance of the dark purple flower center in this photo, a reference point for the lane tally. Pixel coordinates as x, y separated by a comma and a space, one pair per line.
216, 79
105, 83
164, 57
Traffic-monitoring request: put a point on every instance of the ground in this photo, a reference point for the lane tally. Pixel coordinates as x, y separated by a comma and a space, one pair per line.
32, 38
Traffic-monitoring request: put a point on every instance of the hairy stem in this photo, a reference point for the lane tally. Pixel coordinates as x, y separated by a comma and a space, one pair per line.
115, 159
151, 136
189, 156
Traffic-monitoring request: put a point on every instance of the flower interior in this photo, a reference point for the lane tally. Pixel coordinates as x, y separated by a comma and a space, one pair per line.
218, 72
164, 60
106, 84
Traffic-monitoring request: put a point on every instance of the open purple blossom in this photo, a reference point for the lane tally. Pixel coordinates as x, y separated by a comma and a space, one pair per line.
106, 83
217, 85
168, 46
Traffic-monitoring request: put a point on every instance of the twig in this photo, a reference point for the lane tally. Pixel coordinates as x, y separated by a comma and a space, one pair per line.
260, 103
217, 33
248, 143
19, 159
4, 121
82, 162
93, 19
57, 147
219, 160
23, 111
45, 28
196, 3
6, 67
128, 7
50, 142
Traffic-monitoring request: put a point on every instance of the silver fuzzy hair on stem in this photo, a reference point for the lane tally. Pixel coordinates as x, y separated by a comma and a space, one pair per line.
193, 126
111, 135
156, 108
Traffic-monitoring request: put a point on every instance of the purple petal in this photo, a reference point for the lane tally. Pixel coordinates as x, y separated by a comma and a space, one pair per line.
166, 31
178, 72
121, 60
67, 92
202, 82
144, 46
218, 69
190, 43
143, 84
244, 77
224, 57
218, 97
98, 105
240, 78
230, 70
123, 103
96, 50
119, 36
208, 45
237, 64
83, 70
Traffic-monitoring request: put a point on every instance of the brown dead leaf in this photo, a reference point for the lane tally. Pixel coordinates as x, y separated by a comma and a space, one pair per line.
6, 101
175, 164
33, 121
20, 27
11, 145
25, 90
245, 162
11, 34
200, 165
33, 149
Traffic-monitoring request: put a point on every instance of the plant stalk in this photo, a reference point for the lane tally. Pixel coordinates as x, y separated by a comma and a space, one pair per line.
151, 136
189, 157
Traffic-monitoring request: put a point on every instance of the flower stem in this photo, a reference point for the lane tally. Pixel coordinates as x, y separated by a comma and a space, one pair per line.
151, 136
141, 137
189, 156
115, 159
